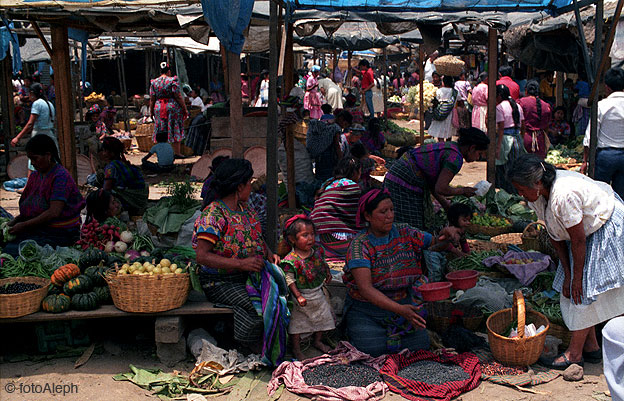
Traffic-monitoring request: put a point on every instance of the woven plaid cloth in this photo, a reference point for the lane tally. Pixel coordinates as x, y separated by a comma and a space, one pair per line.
417, 391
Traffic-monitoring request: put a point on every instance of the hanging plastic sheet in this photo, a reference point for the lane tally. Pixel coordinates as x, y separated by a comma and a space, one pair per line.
228, 19
6, 32
82, 37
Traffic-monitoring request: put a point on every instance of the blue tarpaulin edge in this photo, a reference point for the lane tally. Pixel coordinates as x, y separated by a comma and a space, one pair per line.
228, 19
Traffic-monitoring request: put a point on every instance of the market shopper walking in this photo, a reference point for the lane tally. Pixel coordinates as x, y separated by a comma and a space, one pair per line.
167, 107
509, 136
41, 120
368, 82
428, 170
312, 99
537, 116
479, 103
442, 125
610, 152
585, 222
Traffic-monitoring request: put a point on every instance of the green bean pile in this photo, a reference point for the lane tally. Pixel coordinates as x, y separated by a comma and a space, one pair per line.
473, 261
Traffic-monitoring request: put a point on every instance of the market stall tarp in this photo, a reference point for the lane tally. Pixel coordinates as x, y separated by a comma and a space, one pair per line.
348, 36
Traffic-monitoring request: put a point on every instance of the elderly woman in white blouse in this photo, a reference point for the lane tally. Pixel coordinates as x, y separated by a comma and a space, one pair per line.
585, 221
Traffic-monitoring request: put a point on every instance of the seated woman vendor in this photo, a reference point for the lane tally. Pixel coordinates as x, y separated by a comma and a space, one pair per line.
229, 245
51, 202
382, 274
123, 179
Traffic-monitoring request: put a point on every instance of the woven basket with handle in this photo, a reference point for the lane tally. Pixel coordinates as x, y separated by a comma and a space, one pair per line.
487, 230
148, 294
24, 303
521, 350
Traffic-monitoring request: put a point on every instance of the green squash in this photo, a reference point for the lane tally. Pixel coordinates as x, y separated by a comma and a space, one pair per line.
55, 303
96, 274
78, 285
55, 289
103, 293
91, 257
86, 301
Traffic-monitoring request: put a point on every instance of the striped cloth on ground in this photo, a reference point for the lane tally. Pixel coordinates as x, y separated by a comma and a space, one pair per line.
414, 390
335, 210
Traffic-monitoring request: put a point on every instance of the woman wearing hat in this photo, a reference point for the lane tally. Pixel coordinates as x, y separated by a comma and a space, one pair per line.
97, 124
167, 107
382, 275
312, 100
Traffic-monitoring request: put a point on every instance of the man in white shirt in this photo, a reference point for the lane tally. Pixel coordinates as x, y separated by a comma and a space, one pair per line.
429, 67
331, 92
610, 151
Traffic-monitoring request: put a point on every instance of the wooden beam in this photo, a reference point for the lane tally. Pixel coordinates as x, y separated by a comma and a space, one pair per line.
271, 154
282, 57
236, 103
385, 78
64, 98
225, 61
42, 38
491, 115
421, 88
559, 88
289, 146
289, 61
593, 115
6, 102
607, 49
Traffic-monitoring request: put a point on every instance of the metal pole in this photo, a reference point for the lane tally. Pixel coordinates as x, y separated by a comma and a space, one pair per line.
271, 168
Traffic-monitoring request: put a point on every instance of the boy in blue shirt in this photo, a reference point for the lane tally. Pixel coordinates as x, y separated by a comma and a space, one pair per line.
164, 153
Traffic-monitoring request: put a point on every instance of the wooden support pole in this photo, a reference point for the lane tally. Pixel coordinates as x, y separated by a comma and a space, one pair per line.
491, 115
225, 61
559, 88
42, 38
593, 120
421, 88
123, 89
64, 98
385, 82
289, 146
282, 59
271, 155
236, 104
289, 61
349, 72
6, 102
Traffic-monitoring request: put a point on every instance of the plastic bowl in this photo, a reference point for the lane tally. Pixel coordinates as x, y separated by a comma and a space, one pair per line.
435, 291
463, 279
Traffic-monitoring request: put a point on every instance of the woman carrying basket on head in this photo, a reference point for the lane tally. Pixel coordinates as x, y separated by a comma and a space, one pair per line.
167, 107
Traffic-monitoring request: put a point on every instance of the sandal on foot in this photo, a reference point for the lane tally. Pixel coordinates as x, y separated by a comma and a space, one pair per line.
560, 365
593, 356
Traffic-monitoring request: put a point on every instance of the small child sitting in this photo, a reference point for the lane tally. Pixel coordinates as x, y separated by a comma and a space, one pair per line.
164, 153
306, 272
459, 216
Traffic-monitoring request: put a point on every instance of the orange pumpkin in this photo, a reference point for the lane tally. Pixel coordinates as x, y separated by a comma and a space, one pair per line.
64, 273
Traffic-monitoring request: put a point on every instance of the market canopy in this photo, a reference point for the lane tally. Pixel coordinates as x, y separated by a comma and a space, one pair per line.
348, 36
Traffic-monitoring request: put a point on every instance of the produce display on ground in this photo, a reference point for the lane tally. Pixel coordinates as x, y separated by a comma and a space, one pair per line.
399, 136
432, 372
489, 220
473, 261
338, 376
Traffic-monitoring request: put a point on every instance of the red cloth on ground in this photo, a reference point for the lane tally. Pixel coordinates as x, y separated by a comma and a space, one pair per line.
413, 390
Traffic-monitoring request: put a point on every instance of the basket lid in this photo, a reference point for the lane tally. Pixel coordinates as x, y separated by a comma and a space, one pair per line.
201, 168
18, 167
257, 156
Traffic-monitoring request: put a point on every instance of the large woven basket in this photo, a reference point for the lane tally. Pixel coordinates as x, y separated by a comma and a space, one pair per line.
144, 143
508, 239
486, 230
148, 294
25, 303
144, 130
449, 65
521, 350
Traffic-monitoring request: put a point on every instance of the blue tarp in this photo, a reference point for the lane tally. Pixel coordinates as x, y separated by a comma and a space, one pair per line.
430, 5
228, 19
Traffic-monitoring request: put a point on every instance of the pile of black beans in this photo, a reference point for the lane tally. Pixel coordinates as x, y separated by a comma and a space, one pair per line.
432, 372
18, 287
337, 376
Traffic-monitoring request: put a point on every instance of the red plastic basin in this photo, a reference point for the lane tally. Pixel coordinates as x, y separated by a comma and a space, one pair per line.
463, 279
435, 291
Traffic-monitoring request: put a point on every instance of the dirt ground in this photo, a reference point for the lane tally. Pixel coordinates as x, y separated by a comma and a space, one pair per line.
93, 381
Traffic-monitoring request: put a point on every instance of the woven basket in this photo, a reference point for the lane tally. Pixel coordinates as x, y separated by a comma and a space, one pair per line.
148, 294
144, 143
24, 303
486, 230
508, 239
440, 316
300, 131
480, 245
449, 65
144, 130
518, 351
